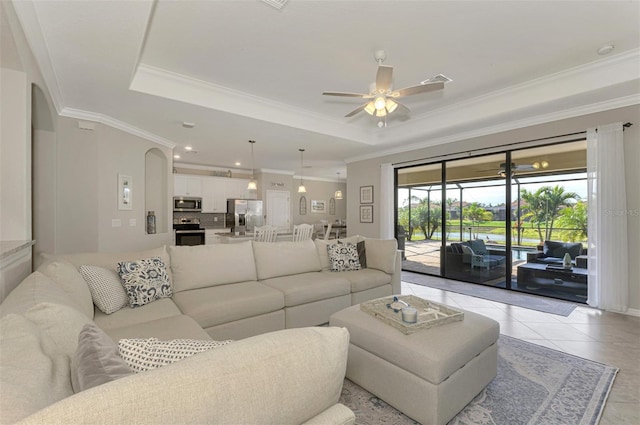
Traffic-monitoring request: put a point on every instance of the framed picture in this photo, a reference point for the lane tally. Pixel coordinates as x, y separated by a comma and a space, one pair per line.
125, 192
366, 213
366, 194
318, 206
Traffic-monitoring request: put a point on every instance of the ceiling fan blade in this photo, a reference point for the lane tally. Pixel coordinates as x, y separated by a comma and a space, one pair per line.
345, 94
420, 88
383, 78
355, 111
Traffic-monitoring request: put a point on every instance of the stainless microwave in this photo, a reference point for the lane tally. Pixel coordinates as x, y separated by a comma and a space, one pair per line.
184, 203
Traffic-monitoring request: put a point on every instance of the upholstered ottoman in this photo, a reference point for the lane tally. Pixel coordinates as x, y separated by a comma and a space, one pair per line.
429, 375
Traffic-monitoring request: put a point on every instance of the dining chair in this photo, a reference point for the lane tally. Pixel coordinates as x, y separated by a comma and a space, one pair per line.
302, 232
327, 232
265, 234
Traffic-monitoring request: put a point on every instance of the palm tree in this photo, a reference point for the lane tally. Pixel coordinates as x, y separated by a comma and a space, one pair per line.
543, 207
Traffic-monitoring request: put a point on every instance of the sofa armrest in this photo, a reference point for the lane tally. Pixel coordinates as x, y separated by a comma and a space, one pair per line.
288, 376
532, 257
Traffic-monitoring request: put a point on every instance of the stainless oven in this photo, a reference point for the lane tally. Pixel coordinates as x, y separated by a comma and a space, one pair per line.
188, 232
187, 204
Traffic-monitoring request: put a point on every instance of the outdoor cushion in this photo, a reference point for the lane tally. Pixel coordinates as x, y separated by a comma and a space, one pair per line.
558, 249
478, 246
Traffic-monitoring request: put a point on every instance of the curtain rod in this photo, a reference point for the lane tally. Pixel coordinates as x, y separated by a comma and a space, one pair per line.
467, 153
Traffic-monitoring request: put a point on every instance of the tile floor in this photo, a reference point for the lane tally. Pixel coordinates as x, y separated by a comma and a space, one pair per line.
593, 334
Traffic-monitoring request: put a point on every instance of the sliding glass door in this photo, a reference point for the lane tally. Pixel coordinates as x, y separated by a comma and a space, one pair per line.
487, 219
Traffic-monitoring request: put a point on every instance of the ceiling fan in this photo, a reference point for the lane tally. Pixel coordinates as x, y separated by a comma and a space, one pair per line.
502, 172
382, 97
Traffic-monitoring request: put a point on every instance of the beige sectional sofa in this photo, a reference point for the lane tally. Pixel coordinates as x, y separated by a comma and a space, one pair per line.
249, 291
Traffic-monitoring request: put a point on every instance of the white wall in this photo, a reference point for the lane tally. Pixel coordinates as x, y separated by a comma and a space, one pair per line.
367, 172
88, 165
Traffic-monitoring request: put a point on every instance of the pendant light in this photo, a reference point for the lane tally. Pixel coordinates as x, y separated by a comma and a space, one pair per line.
338, 194
301, 188
253, 184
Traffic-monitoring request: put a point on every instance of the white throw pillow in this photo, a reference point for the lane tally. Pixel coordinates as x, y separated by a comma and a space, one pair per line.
145, 280
106, 288
146, 354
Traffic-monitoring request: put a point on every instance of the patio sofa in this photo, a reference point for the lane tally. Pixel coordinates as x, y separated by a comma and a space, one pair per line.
472, 254
552, 252
252, 292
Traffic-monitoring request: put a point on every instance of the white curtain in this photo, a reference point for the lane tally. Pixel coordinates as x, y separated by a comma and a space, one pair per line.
607, 216
386, 201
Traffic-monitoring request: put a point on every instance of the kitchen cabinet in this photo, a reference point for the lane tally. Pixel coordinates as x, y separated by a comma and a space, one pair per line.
187, 185
214, 191
214, 198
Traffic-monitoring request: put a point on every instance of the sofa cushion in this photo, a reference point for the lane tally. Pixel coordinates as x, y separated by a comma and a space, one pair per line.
67, 276
285, 258
309, 287
381, 254
96, 360
364, 279
34, 374
478, 246
203, 266
227, 303
110, 260
145, 280
33, 290
106, 288
343, 257
162, 308
145, 354
173, 327
321, 247
62, 323
558, 249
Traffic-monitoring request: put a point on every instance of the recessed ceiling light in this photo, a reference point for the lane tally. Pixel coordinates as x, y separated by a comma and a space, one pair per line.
238, 164
176, 156
606, 49
188, 148
188, 124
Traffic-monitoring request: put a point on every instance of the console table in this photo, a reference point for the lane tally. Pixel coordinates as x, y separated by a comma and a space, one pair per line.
537, 275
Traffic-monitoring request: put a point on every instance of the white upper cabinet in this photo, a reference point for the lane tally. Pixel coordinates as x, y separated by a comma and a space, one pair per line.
187, 185
214, 191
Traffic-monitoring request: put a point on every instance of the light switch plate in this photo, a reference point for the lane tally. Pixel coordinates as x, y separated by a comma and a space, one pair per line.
132, 222
116, 222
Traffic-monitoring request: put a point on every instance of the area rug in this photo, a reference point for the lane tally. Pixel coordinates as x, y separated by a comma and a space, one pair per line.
535, 385
533, 302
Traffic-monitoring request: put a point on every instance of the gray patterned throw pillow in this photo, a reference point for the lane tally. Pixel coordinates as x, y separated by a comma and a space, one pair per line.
105, 287
146, 354
145, 280
343, 257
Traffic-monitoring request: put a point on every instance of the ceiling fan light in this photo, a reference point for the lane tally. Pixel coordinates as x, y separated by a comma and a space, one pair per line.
381, 112
370, 108
390, 105
544, 164
379, 103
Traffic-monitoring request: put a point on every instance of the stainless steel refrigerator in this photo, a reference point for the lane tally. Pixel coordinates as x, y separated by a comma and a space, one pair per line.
243, 215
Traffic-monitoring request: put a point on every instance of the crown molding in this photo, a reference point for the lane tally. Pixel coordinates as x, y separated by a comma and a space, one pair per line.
170, 85
112, 122
513, 125
28, 17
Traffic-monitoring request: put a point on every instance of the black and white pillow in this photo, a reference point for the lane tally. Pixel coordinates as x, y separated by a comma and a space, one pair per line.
146, 354
105, 287
343, 257
145, 280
